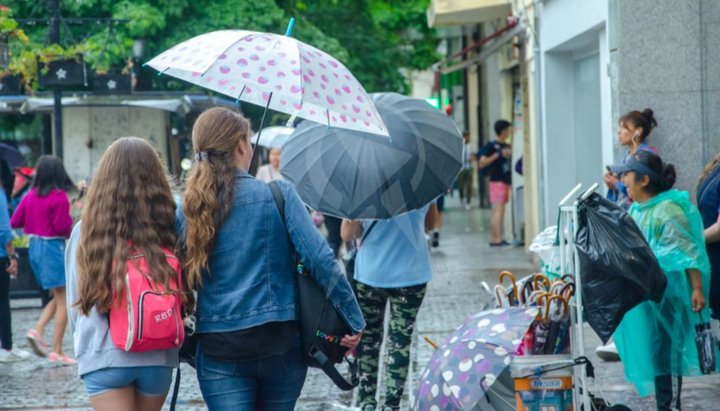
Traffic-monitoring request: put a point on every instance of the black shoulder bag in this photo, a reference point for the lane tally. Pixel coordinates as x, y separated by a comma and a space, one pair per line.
321, 327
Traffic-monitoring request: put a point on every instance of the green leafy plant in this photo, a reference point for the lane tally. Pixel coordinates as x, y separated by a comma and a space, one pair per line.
107, 51
9, 26
10, 33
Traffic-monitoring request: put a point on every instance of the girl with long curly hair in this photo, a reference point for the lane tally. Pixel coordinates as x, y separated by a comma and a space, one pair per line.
236, 252
129, 210
44, 215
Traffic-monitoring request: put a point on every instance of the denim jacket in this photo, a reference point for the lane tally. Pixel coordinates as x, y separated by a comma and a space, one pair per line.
250, 280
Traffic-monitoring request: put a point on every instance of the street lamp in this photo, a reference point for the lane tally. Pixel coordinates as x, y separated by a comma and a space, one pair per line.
138, 49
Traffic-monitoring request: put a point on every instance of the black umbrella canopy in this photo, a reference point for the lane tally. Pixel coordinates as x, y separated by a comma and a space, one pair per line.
356, 175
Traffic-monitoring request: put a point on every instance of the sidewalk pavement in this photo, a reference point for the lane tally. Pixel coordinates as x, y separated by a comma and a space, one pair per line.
461, 262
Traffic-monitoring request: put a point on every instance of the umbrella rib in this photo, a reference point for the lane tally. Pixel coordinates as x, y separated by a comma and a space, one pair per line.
237, 100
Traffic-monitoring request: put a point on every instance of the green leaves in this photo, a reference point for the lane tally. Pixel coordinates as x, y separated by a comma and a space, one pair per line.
375, 39
145, 20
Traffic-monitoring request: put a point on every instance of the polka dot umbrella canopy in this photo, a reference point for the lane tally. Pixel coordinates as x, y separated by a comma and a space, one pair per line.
275, 71
470, 360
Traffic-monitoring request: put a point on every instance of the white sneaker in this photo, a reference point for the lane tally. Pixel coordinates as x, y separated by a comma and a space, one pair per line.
7, 356
467, 207
22, 354
608, 352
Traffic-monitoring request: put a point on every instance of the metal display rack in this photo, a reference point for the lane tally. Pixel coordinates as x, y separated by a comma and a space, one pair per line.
570, 264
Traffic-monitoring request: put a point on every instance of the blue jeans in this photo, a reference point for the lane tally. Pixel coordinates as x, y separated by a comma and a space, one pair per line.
272, 383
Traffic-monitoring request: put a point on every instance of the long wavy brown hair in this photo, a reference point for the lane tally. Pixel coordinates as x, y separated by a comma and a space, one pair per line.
709, 167
209, 189
128, 202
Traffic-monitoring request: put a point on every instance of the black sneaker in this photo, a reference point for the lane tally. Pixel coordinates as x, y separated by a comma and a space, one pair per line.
435, 239
502, 243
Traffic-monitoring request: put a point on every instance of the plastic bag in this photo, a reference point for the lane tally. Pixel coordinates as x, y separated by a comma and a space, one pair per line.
705, 346
549, 252
618, 267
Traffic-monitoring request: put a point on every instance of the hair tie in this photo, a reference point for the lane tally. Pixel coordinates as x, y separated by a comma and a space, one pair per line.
201, 155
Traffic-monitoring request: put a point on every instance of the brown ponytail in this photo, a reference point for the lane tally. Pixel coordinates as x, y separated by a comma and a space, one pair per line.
209, 193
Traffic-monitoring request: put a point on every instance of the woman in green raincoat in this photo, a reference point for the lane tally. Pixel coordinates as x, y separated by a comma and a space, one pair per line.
656, 341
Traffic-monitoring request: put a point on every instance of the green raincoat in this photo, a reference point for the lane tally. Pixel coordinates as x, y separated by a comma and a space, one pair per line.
656, 339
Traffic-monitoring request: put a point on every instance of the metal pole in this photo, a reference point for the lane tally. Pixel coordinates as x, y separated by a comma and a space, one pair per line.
54, 37
584, 397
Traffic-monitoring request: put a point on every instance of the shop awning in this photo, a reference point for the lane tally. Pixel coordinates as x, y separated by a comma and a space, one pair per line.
181, 104
489, 46
460, 12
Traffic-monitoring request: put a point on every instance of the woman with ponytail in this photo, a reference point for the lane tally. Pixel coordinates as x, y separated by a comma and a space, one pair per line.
656, 340
708, 200
635, 127
237, 254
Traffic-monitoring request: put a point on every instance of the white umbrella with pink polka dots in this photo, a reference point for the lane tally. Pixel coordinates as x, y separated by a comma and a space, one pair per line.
274, 71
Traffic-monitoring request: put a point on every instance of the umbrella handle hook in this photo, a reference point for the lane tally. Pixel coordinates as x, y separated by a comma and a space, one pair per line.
539, 277
506, 274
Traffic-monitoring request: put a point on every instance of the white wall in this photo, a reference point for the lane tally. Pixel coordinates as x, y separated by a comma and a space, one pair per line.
88, 131
563, 20
572, 31
422, 83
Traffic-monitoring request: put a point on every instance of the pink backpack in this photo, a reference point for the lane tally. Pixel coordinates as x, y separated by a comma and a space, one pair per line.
144, 317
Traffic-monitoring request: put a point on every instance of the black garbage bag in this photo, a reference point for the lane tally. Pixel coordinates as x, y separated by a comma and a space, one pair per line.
618, 268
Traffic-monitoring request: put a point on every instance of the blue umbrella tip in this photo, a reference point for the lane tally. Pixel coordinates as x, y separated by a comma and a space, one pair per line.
290, 26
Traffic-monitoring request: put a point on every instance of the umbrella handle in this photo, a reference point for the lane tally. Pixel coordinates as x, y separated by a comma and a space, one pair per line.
557, 287
543, 278
537, 296
568, 291
527, 291
431, 342
549, 301
499, 293
506, 274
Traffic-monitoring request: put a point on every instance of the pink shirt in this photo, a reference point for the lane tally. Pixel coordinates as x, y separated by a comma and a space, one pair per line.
47, 216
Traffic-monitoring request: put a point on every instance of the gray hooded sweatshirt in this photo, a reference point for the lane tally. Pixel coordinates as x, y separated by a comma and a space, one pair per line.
94, 349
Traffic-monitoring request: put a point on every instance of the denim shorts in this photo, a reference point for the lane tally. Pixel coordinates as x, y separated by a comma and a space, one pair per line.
148, 381
47, 260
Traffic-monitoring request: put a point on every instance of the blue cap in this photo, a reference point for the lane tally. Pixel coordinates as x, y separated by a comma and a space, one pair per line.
633, 164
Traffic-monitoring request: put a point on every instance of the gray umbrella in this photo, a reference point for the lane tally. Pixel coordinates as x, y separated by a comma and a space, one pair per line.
358, 175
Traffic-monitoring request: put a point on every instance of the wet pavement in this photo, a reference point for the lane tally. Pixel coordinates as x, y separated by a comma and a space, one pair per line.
460, 264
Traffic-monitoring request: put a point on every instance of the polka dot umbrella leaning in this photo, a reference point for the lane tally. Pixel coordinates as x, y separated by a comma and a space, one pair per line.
275, 71
468, 364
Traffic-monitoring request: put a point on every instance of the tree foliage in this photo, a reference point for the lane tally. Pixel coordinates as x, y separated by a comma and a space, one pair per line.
375, 39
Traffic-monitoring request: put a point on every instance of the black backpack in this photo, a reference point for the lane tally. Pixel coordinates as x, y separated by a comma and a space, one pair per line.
321, 327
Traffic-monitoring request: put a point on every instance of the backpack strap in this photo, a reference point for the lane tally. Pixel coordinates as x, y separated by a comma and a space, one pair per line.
176, 389
323, 361
367, 232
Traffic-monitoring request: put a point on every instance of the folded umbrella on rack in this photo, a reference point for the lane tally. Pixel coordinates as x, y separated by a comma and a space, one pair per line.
558, 315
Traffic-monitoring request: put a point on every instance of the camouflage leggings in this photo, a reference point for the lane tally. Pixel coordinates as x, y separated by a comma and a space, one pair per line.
404, 305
